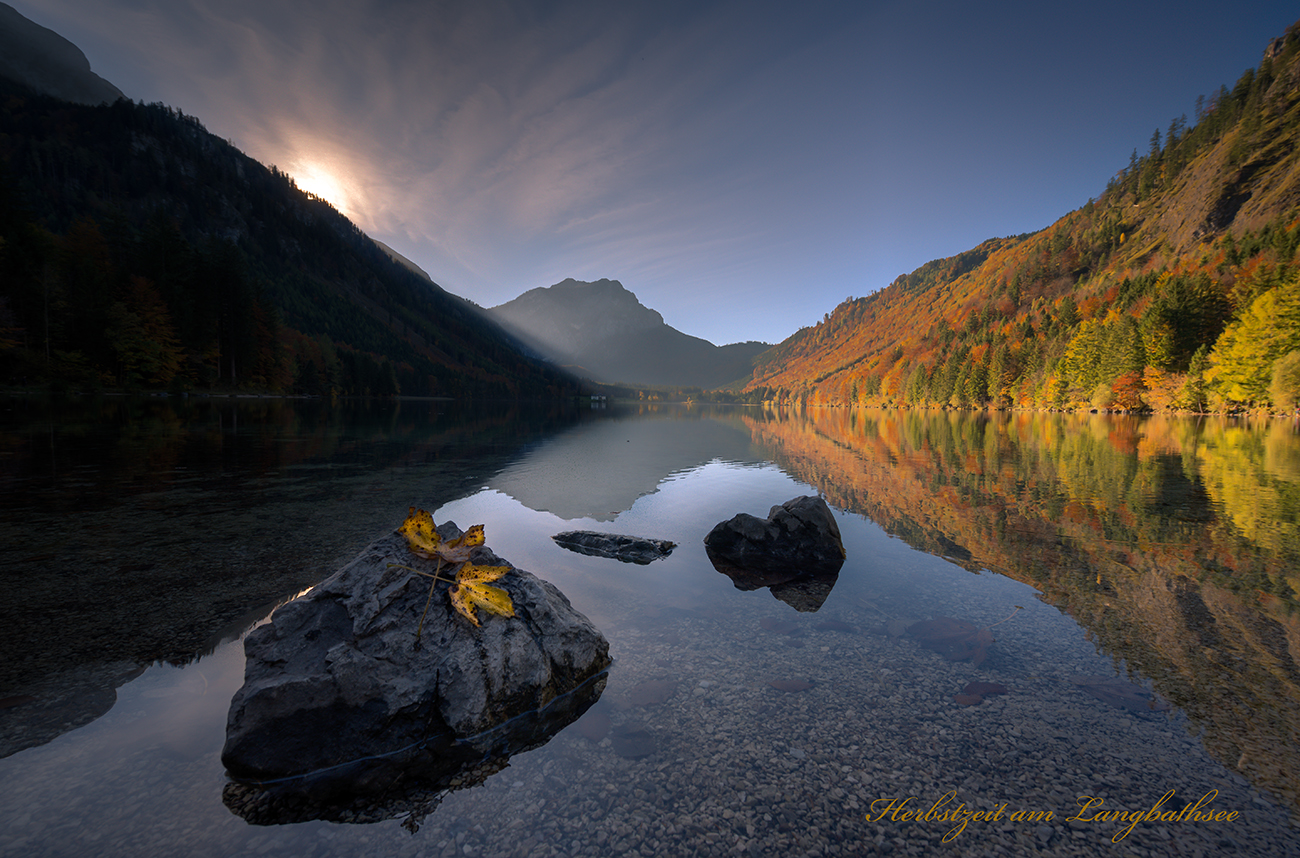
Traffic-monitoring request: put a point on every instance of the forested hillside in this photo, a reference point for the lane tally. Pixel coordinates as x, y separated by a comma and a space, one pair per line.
139, 251
1177, 288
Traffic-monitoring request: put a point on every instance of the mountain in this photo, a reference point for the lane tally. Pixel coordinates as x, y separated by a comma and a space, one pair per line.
600, 330
1175, 289
48, 63
138, 250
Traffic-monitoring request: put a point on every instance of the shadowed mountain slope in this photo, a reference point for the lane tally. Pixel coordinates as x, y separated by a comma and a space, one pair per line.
48, 63
137, 250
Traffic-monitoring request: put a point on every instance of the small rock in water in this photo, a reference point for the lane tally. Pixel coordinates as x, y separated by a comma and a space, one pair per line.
1120, 693
790, 686
975, 692
778, 627
799, 534
955, 640
984, 689
615, 546
797, 552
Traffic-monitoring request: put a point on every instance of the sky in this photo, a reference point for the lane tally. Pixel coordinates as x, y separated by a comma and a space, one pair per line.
742, 166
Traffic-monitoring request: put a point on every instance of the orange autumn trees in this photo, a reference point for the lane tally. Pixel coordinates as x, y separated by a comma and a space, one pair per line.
1123, 303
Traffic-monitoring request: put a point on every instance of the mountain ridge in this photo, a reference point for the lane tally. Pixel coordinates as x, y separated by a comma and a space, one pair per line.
601, 329
47, 62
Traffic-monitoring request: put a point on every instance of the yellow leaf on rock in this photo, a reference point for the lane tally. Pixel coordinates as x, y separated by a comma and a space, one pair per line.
457, 550
420, 534
423, 539
473, 589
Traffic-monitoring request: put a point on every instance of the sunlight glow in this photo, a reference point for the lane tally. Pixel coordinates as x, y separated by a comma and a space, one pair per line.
320, 181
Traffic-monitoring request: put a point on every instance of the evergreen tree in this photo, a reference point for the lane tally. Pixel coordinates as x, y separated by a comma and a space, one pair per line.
1193, 396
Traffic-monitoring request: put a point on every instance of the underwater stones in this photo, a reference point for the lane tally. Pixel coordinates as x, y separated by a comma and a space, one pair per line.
339, 699
615, 546
973, 693
651, 692
796, 551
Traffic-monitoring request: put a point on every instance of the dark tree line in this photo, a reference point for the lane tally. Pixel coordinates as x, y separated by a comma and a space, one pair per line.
138, 249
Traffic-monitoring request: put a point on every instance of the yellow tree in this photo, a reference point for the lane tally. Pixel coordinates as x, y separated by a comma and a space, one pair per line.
1241, 364
1284, 388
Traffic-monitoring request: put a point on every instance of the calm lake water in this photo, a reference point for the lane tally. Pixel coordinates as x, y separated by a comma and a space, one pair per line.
1138, 578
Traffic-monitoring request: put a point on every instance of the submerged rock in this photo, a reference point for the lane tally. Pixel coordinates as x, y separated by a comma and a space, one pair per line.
339, 703
973, 693
616, 546
634, 741
955, 640
796, 551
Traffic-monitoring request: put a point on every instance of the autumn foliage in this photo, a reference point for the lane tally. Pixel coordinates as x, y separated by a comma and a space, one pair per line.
472, 584
1175, 289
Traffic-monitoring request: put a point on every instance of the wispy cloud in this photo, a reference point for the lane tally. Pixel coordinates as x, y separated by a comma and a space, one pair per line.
741, 164
473, 130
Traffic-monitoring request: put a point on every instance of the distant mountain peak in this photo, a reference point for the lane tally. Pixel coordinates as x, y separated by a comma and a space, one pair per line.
602, 327
48, 63
563, 319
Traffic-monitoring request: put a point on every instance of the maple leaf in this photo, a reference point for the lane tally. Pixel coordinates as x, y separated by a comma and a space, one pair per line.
420, 534
473, 589
423, 539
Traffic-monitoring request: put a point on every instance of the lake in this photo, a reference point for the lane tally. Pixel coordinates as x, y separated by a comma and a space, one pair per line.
1137, 577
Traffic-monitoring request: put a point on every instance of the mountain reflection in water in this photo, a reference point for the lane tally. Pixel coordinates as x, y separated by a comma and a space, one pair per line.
1170, 543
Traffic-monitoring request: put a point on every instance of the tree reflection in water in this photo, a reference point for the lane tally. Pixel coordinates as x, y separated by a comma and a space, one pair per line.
1174, 541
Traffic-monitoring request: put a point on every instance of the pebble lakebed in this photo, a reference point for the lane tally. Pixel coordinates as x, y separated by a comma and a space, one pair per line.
730, 765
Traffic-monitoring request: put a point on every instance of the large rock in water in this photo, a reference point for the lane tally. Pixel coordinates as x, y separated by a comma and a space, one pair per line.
339, 702
796, 551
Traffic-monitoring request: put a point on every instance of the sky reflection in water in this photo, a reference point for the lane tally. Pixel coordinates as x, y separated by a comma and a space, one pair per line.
878, 719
